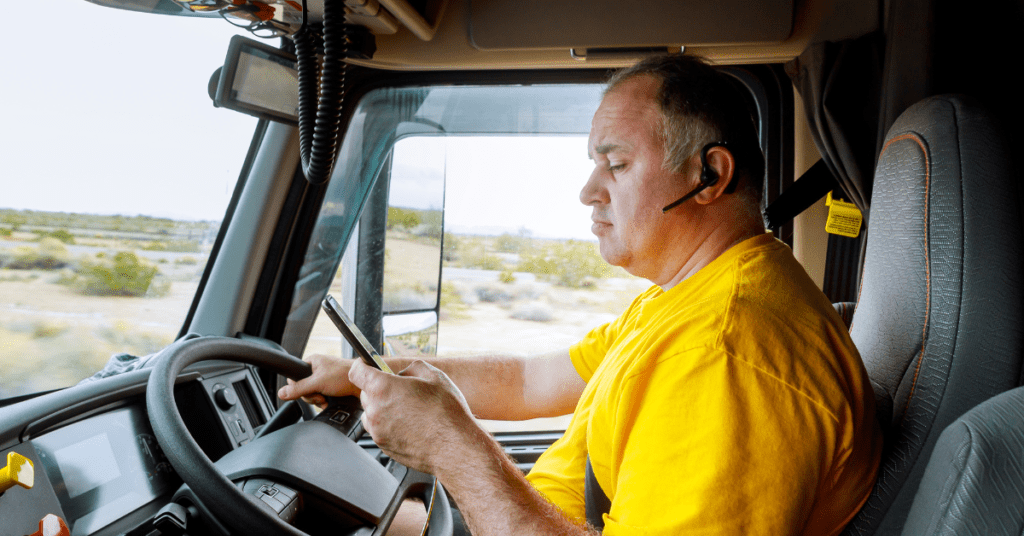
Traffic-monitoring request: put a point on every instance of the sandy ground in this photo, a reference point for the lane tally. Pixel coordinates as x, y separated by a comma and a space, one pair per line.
51, 337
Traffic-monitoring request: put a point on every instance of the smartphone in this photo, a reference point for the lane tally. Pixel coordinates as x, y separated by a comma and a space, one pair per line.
354, 337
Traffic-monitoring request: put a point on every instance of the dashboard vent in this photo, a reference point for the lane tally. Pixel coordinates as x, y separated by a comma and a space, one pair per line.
249, 404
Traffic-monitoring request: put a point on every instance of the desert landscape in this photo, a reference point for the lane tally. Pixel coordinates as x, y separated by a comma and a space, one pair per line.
55, 331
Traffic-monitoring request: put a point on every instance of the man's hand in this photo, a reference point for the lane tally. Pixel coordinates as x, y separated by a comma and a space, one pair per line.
418, 416
329, 378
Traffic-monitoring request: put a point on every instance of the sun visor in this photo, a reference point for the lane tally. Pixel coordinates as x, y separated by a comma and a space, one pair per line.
582, 24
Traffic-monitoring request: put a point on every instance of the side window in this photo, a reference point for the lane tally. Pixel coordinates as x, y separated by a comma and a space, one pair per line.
412, 248
522, 273
472, 239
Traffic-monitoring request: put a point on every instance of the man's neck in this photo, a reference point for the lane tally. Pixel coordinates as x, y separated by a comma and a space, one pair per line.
710, 245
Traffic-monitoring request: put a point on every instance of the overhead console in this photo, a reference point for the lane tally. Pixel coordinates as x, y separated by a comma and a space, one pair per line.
585, 24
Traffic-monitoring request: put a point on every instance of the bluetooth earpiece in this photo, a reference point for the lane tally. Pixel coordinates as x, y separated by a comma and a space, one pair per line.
708, 177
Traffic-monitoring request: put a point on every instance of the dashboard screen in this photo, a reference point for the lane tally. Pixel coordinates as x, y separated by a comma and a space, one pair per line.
104, 467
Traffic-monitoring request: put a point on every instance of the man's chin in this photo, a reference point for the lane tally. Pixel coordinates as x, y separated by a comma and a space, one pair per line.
609, 254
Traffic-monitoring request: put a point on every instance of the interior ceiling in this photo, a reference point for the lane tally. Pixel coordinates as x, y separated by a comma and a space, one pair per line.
488, 34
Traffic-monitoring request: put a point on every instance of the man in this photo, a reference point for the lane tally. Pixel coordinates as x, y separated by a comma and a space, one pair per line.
728, 398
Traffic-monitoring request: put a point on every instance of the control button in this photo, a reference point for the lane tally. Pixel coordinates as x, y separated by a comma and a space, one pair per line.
285, 494
339, 416
239, 426
277, 505
224, 397
269, 491
19, 470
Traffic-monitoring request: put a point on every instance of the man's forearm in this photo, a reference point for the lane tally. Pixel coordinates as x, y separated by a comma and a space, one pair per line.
495, 498
492, 385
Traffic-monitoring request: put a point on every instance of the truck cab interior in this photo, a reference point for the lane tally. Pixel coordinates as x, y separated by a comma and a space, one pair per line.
420, 161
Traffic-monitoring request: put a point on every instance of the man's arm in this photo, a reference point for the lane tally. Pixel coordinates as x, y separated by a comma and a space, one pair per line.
420, 419
496, 387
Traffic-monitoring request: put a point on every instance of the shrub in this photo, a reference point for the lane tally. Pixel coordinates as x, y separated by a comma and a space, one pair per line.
452, 305
50, 254
179, 246
402, 218
492, 294
509, 243
507, 277
60, 234
187, 261
4, 231
451, 247
573, 264
14, 220
534, 312
123, 275
432, 224
44, 330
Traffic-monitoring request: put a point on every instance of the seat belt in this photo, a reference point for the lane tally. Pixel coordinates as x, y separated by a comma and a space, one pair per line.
596, 501
805, 191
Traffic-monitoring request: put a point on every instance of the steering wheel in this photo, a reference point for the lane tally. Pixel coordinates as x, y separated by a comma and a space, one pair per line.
313, 458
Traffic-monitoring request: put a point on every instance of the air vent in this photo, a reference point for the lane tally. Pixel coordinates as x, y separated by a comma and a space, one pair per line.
249, 404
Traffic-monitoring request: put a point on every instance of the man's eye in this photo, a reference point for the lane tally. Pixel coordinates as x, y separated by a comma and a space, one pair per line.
616, 167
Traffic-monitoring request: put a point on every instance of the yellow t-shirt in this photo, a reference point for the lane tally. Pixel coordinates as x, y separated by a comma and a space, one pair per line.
734, 403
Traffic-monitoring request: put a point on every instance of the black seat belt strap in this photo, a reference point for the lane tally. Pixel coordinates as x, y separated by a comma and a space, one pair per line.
805, 191
595, 499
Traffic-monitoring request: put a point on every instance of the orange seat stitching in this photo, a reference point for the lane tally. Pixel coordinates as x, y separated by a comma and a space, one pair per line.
927, 266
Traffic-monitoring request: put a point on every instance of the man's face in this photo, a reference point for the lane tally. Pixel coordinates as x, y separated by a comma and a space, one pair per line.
629, 185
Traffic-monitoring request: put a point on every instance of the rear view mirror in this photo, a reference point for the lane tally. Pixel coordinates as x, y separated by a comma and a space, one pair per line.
259, 80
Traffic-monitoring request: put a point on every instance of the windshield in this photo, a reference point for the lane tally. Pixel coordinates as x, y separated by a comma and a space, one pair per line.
472, 239
116, 174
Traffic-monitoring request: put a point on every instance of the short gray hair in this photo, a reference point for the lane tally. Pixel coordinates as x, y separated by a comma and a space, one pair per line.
699, 105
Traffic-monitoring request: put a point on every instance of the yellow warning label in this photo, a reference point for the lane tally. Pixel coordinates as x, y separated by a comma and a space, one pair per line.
844, 218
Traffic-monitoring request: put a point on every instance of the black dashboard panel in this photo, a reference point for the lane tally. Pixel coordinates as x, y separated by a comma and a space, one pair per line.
97, 464
105, 467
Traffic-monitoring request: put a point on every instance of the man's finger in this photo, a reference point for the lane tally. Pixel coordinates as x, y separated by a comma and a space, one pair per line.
417, 369
359, 373
315, 400
297, 389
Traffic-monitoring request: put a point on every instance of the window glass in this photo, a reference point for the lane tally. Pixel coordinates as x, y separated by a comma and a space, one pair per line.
521, 272
412, 250
116, 174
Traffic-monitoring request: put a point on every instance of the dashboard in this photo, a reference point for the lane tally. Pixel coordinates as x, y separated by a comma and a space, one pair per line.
97, 464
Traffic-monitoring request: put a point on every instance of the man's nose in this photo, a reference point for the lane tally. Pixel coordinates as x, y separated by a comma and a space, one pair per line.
594, 192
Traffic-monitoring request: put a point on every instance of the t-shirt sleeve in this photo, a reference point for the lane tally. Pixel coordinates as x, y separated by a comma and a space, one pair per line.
742, 454
587, 354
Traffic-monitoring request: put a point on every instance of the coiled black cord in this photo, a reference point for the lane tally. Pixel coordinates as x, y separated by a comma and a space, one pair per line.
321, 92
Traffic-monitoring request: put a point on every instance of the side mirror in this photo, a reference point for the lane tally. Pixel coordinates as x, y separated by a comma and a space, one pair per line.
259, 80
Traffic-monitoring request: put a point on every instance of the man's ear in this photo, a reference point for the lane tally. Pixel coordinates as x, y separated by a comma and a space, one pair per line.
721, 162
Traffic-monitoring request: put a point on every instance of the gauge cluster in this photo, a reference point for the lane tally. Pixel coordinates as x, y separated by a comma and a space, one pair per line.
105, 467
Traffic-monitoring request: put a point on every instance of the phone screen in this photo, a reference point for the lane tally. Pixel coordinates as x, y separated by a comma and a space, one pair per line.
354, 337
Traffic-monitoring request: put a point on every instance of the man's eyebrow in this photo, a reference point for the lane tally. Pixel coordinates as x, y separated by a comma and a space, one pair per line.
604, 149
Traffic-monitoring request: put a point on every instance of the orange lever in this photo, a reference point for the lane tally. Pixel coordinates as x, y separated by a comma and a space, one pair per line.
52, 525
